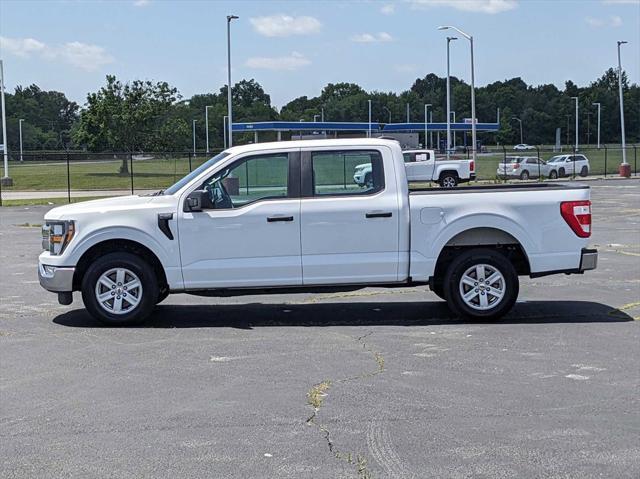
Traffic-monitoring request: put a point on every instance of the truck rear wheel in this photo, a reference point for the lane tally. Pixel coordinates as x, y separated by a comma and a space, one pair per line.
481, 284
119, 289
448, 180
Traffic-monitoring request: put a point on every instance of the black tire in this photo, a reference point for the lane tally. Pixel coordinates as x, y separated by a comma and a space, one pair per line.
136, 265
524, 175
561, 172
468, 260
553, 175
448, 180
584, 171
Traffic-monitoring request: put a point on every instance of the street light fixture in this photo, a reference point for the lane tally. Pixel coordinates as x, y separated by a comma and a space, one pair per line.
20, 128
576, 99
598, 105
473, 94
206, 124
625, 170
449, 40
520, 121
229, 107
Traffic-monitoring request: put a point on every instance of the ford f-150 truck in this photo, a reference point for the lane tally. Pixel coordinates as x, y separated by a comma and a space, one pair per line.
422, 165
285, 216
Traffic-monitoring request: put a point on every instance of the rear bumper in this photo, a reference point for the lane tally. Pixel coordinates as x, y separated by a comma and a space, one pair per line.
57, 279
588, 261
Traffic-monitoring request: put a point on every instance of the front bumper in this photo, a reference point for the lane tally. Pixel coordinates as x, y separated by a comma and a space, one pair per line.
588, 259
57, 279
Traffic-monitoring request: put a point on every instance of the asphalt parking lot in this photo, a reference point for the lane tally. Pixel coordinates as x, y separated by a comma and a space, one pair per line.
374, 383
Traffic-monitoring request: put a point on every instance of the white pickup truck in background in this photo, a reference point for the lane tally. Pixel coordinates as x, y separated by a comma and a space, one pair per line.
286, 216
423, 166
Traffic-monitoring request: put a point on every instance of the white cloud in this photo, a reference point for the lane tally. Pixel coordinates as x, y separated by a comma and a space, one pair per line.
81, 55
285, 25
388, 9
141, 3
292, 62
478, 6
613, 21
372, 37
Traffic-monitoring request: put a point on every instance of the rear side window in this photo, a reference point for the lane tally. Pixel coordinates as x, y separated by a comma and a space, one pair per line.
347, 172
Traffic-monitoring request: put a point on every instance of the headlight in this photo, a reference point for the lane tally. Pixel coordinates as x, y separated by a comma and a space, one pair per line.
56, 235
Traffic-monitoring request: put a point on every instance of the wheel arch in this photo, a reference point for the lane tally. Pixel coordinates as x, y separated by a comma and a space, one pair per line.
119, 245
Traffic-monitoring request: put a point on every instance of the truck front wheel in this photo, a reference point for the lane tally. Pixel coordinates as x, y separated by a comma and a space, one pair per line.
481, 284
119, 289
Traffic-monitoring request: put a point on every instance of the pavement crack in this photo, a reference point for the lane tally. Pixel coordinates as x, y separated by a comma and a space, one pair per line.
315, 399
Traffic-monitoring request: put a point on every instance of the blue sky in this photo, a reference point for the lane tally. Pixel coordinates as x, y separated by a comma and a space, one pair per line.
294, 48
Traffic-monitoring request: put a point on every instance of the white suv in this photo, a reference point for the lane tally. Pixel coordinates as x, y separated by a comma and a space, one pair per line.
564, 165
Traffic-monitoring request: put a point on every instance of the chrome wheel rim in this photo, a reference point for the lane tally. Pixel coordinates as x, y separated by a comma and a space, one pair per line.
448, 182
482, 287
118, 291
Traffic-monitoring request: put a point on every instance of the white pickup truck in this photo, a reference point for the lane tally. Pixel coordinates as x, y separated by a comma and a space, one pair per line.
285, 216
422, 165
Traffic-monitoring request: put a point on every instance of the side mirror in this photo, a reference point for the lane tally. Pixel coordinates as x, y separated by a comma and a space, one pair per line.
197, 201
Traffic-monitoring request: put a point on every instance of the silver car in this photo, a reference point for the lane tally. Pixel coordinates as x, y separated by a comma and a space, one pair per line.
522, 167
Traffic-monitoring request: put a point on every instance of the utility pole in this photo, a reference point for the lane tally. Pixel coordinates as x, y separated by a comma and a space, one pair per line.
229, 105
206, 124
408, 121
449, 40
224, 130
576, 100
194, 137
369, 101
598, 104
589, 127
6, 179
426, 121
625, 169
20, 127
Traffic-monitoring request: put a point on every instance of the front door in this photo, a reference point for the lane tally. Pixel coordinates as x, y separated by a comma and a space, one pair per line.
252, 235
349, 232
419, 167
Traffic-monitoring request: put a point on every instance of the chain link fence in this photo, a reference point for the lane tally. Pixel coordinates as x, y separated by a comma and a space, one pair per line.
83, 174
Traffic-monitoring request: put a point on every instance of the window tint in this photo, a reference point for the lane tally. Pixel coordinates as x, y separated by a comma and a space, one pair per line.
249, 180
532, 161
347, 172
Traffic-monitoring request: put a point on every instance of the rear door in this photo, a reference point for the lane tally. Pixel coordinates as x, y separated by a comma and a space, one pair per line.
349, 233
420, 167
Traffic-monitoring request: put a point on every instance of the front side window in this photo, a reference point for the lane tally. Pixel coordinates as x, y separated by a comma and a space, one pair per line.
249, 180
347, 172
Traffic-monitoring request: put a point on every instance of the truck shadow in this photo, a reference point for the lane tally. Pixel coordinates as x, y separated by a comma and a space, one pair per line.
251, 315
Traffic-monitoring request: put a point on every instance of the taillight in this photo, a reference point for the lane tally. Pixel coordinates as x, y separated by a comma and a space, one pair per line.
516, 166
577, 214
472, 165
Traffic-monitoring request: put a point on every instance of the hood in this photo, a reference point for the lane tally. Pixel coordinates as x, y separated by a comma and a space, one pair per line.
71, 211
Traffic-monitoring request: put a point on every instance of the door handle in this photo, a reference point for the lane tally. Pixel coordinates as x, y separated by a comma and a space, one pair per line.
273, 219
378, 214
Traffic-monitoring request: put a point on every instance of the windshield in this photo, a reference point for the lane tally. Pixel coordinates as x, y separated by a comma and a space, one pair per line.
204, 166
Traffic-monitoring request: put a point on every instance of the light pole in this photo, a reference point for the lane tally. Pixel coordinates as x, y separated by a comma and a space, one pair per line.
388, 111
520, 121
322, 114
576, 99
6, 179
206, 124
224, 130
229, 108
426, 121
473, 90
624, 170
194, 137
408, 114
449, 39
369, 101
20, 128
598, 104
453, 114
